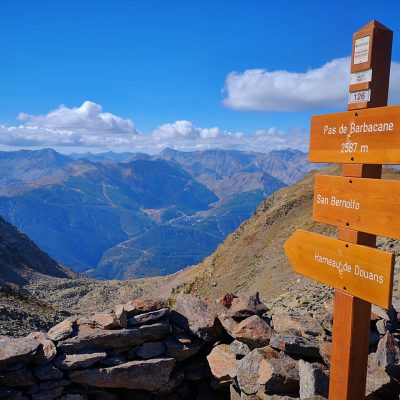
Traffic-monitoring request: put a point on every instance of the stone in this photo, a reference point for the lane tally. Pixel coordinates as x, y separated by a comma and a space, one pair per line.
295, 345
253, 331
268, 371
103, 339
68, 362
191, 314
247, 370
141, 306
150, 375
21, 377
48, 394
47, 371
222, 364
103, 320
63, 330
120, 313
278, 373
151, 350
113, 360
314, 380
382, 326
48, 350
228, 323
17, 352
148, 318
387, 355
11, 394
325, 350
181, 351
131, 354
246, 306
234, 392
299, 324
379, 384
379, 312
175, 380
74, 396
226, 301
239, 349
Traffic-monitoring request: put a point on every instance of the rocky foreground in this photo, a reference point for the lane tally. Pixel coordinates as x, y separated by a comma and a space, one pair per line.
233, 348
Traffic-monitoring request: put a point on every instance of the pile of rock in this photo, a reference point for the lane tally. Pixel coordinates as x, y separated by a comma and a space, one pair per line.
226, 349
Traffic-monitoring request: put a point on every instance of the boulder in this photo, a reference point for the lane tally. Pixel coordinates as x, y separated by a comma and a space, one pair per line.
20, 378
295, 345
69, 362
379, 312
103, 320
150, 375
47, 371
314, 380
151, 350
48, 350
179, 350
234, 392
325, 350
247, 370
17, 352
228, 323
253, 331
103, 339
278, 373
113, 360
141, 306
387, 355
379, 384
148, 318
267, 371
11, 394
239, 349
120, 313
191, 314
298, 324
222, 364
226, 301
64, 329
246, 306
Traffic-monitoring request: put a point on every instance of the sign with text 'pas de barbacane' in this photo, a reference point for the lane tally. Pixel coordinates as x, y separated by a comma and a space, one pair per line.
368, 136
363, 271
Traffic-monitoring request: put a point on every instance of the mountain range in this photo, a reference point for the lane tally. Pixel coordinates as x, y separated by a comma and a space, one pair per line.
133, 215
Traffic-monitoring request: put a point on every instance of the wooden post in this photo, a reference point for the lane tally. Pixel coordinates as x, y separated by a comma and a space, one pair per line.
370, 68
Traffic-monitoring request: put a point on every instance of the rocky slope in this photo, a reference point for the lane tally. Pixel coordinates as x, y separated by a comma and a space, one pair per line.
231, 348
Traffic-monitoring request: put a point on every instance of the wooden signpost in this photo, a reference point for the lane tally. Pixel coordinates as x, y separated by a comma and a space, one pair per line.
363, 139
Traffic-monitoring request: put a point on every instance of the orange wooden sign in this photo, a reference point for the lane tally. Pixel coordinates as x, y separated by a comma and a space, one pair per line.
358, 270
367, 205
369, 136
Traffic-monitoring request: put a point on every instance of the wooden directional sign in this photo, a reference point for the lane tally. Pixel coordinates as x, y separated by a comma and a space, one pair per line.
367, 205
361, 271
369, 136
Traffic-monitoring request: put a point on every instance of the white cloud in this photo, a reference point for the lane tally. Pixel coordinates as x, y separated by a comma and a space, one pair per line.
86, 125
323, 87
89, 117
88, 128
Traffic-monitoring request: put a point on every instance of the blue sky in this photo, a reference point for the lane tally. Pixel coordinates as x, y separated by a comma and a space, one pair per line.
140, 75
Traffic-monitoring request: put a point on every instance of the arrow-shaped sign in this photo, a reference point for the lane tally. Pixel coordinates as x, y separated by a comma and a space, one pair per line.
367, 205
361, 271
